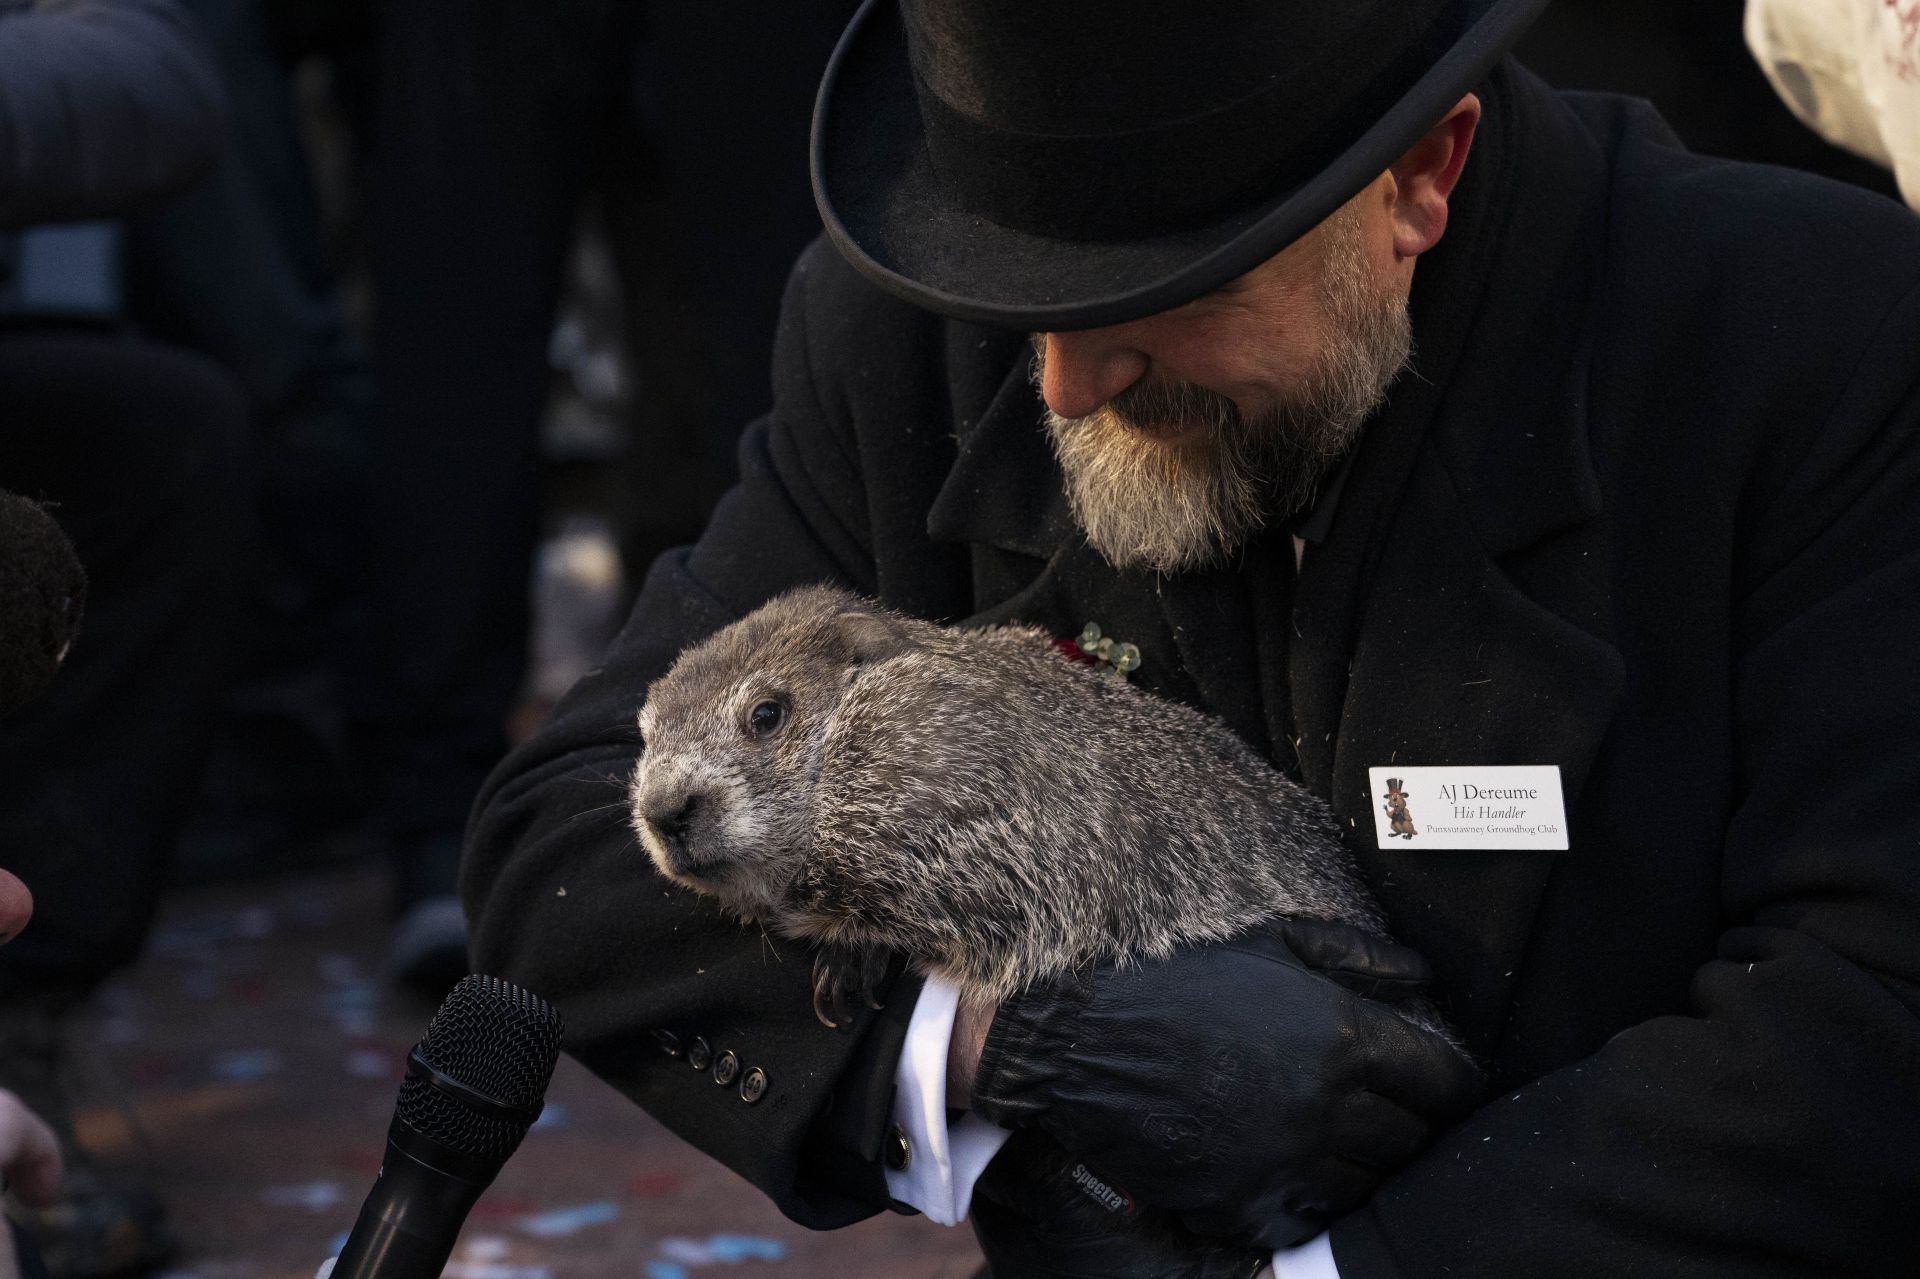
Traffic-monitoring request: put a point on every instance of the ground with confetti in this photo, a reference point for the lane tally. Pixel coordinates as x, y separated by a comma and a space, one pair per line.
247, 1069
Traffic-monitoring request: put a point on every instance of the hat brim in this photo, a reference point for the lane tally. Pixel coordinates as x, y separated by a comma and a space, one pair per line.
887, 211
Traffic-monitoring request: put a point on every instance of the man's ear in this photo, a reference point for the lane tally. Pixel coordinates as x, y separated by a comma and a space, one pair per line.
1425, 176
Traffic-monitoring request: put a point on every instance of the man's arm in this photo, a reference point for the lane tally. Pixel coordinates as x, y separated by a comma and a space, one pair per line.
657, 986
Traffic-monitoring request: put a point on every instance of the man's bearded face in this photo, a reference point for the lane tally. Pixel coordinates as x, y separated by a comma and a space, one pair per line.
1170, 475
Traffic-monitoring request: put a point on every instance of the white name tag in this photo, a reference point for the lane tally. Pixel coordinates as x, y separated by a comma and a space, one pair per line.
1497, 806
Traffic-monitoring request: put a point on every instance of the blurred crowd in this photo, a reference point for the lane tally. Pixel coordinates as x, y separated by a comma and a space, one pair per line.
337, 337
278, 342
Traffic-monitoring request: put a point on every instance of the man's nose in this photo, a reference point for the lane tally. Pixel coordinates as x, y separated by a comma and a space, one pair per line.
1082, 371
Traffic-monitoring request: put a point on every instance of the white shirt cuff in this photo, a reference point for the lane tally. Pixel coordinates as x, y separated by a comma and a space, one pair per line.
1310, 1260
943, 1161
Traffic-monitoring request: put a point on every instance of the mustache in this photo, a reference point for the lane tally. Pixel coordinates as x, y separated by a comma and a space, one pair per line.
1154, 404
1166, 405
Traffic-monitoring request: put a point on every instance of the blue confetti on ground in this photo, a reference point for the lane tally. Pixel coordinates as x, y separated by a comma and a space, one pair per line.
352, 996
244, 1067
734, 1249
665, 1270
565, 1221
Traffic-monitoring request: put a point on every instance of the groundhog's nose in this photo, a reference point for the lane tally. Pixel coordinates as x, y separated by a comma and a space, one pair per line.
673, 816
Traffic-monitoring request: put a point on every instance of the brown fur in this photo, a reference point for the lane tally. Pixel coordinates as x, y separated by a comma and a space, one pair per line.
972, 799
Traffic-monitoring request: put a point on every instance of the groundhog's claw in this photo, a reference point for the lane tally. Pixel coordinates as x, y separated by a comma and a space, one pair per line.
842, 971
826, 993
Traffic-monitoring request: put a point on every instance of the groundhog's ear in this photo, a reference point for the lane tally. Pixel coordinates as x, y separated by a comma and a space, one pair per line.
872, 637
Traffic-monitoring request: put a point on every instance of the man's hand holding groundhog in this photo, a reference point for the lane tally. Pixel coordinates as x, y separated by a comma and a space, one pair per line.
1257, 1088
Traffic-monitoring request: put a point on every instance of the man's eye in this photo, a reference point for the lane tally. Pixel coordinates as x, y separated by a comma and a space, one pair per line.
766, 718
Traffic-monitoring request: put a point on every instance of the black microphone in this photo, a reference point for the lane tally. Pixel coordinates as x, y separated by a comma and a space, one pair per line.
474, 1086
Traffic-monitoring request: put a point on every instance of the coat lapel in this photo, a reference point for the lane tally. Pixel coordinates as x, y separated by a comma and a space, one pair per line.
1457, 665
1224, 636
1004, 489
1455, 614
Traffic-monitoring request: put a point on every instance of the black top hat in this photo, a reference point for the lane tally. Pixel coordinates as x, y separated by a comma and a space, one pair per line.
1062, 164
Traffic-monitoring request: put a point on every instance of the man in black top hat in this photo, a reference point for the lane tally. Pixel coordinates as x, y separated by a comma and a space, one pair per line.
1111, 327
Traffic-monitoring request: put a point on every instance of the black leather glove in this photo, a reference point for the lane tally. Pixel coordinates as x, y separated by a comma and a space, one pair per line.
1039, 1213
1257, 1088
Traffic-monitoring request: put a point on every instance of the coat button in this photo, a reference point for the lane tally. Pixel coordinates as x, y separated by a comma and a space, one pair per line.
725, 1067
896, 1150
753, 1085
669, 1042
699, 1054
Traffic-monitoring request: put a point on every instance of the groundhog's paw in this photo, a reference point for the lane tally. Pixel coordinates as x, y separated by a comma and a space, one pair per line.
842, 974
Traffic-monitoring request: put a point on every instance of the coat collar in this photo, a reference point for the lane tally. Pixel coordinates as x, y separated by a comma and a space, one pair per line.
1492, 417
1005, 488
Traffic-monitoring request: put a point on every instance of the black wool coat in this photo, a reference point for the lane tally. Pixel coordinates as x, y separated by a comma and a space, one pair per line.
1650, 511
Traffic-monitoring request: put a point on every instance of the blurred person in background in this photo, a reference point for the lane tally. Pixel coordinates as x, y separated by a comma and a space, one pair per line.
1690, 62
139, 449
488, 124
234, 267
1850, 70
398, 515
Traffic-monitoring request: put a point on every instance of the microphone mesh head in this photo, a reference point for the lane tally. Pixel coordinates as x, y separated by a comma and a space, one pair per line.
498, 1040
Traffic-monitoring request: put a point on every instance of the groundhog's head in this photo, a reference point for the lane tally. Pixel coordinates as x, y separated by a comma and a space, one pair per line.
723, 795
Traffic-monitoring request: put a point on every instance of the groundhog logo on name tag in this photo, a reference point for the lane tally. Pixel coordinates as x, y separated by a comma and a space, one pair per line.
1399, 816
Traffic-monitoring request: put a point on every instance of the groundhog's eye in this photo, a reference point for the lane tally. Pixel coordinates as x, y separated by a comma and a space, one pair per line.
765, 719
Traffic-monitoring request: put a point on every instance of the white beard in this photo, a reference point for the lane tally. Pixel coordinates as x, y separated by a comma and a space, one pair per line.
1167, 506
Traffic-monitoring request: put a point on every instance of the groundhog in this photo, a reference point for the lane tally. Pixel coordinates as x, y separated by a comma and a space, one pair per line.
973, 799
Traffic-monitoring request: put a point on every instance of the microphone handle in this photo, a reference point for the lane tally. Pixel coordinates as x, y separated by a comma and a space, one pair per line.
412, 1216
